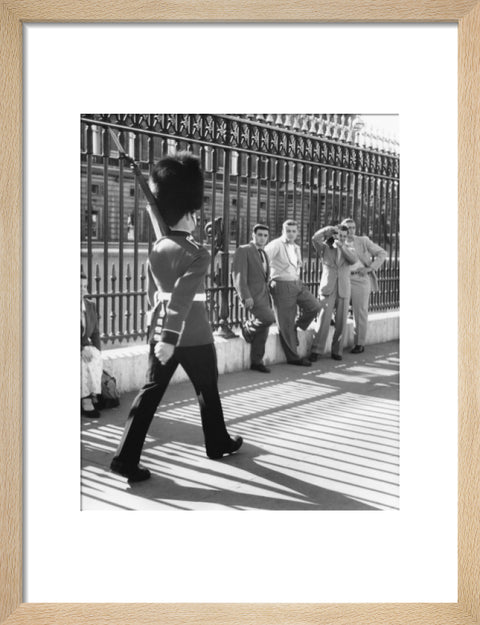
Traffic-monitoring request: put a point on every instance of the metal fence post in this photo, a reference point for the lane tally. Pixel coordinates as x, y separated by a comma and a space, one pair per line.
271, 167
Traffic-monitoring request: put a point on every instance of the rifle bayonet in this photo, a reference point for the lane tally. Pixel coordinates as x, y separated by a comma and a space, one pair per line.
159, 226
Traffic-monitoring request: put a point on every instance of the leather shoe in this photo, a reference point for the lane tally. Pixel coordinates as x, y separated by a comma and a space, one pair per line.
133, 474
358, 349
248, 338
235, 444
260, 367
337, 357
301, 362
313, 357
92, 414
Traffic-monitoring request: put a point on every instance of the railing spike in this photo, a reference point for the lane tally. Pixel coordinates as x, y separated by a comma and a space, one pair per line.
254, 191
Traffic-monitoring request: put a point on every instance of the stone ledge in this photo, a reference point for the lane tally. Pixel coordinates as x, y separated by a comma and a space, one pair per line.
129, 364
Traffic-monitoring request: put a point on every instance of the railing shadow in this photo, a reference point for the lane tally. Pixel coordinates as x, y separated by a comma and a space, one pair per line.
319, 439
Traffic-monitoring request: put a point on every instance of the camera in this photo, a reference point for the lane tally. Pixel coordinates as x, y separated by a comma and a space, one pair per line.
331, 239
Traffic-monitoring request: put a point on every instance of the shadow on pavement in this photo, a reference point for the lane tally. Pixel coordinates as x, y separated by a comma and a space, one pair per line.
322, 438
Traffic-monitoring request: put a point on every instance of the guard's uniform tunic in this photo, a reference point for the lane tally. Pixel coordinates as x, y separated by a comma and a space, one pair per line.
176, 274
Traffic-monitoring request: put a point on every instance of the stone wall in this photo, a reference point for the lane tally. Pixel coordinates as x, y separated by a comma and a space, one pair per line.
129, 364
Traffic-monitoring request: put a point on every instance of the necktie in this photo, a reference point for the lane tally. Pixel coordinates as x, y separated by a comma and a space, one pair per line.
263, 259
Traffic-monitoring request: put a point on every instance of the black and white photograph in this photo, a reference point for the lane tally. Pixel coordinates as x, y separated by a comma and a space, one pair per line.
240, 311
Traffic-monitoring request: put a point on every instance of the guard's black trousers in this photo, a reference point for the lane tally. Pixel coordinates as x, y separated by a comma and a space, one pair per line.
200, 364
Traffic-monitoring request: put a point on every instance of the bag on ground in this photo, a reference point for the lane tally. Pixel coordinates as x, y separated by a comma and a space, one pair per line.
109, 397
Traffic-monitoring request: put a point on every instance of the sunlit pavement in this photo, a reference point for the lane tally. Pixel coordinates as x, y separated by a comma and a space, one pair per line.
319, 438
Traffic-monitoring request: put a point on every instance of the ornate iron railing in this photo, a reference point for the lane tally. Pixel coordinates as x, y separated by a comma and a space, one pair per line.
312, 168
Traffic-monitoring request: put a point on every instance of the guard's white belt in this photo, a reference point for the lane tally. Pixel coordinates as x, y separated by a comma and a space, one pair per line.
165, 297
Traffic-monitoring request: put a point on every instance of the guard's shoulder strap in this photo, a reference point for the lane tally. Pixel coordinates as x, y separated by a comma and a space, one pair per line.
192, 241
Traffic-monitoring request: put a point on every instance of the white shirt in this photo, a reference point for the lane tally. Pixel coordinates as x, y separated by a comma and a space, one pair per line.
285, 259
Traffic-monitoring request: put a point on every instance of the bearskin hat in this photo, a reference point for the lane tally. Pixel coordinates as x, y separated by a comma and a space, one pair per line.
177, 184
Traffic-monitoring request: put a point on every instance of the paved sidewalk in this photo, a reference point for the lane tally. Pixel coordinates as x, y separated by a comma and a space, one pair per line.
319, 438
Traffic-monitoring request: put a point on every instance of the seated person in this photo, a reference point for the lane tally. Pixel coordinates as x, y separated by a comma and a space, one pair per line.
91, 357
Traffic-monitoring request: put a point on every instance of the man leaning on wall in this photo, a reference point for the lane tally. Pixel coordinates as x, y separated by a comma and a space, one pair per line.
250, 272
289, 293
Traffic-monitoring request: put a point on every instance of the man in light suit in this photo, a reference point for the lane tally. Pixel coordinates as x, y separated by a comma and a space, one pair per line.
335, 290
363, 278
250, 271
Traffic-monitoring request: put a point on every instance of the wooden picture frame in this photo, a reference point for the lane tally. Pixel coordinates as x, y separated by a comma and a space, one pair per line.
13, 14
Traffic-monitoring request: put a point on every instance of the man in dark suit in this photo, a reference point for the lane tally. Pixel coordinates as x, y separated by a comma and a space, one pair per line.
250, 271
179, 330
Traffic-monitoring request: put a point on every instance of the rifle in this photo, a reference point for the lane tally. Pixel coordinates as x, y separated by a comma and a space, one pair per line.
159, 226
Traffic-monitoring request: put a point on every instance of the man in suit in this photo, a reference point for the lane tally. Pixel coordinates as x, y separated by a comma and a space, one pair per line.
289, 292
179, 330
363, 278
330, 244
250, 271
